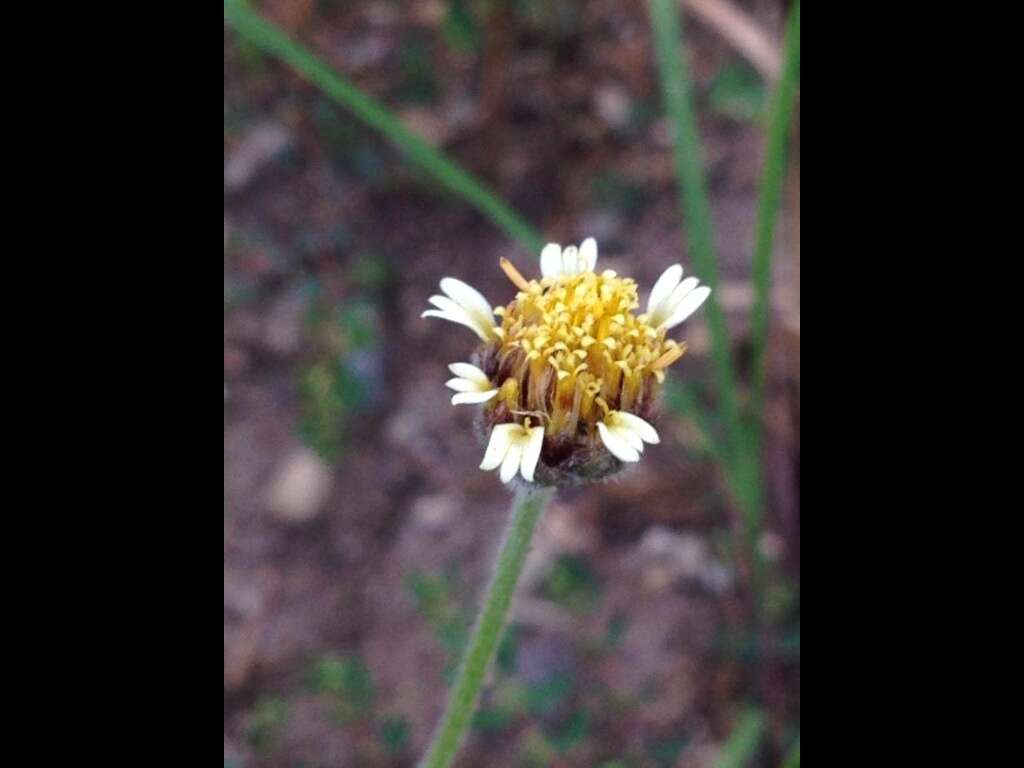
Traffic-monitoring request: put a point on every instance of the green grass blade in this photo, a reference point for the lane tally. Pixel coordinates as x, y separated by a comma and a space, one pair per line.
696, 210
743, 742
769, 197
271, 39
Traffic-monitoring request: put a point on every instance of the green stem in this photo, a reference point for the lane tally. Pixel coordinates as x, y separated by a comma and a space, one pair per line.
270, 39
527, 507
769, 195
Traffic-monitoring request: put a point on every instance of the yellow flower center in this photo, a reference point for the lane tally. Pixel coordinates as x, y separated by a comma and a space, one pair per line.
571, 349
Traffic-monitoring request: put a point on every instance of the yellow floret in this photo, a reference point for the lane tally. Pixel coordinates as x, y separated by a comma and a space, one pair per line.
572, 342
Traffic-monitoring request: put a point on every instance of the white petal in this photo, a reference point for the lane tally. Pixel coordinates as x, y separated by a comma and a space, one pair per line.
510, 465
618, 447
648, 433
445, 304
469, 297
461, 318
664, 286
472, 398
629, 436
531, 453
688, 306
463, 385
497, 446
551, 260
680, 293
467, 371
588, 251
569, 260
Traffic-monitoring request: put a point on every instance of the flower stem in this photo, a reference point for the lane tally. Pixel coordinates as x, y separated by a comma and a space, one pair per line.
527, 507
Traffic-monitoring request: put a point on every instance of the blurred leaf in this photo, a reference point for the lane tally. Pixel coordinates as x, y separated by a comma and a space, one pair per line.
790, 647
370, 272
332, 242
666, 751
793, 758
738, 92
559, 19
394, 735
460, 29
617, 626
342, 378
347, 680
535, 750
547, 696
269, 715
505, 704
780, 598
323, 409
744, 741
573, 732
358, 320
418, 73
435, 599
511, 693
572, 583
250, 56
492, 720
429, 593
353, 148
614, 191
508, 649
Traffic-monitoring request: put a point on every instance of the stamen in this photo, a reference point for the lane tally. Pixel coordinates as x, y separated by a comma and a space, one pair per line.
539, 415
669, 357
513, 274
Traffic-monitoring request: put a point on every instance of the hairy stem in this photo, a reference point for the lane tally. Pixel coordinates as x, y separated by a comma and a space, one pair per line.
527, 508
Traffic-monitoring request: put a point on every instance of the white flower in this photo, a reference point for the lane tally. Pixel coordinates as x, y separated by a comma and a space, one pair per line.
465, 305
624, 434
471, 384
554, 261
516, 447
672, 301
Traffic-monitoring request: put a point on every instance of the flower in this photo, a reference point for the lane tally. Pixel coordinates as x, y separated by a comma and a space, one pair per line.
516, 447
471, 384
570, 356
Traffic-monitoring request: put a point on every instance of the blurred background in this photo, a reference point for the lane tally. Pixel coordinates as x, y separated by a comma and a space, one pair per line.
657, 622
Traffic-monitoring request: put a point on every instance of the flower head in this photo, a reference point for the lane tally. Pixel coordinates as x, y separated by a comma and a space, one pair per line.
569, 375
